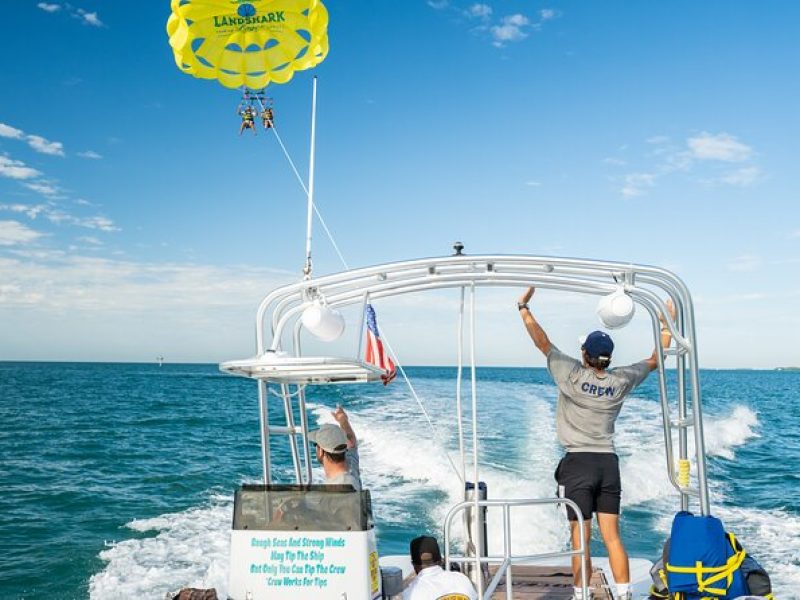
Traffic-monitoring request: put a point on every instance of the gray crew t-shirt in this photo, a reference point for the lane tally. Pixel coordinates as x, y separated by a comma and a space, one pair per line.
588, 404
353, 474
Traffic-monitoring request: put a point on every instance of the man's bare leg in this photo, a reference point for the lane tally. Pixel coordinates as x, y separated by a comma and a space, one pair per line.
617, 556
576, 543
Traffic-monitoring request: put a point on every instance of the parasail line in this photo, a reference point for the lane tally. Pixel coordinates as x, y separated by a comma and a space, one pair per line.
305, 189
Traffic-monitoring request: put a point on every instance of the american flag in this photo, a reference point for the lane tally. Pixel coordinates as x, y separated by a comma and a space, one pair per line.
376, 355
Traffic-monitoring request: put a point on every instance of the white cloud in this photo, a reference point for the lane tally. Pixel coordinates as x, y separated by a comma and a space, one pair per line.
742, 177
637, 184
101, 223
14, 232
87, 239
44, 146
510, 29
90, 154
36, 142
722, 147
704, 158
745, 263
438, 4
617, 162
31, 211
86, 17
532, 183
71, 306
518, 20
59, 217
796, 233
64, 281
46, 189
15, 169
547, 14
479, 11
89, 18
7, 131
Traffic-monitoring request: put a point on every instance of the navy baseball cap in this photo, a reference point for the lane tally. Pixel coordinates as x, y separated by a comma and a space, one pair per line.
597, 344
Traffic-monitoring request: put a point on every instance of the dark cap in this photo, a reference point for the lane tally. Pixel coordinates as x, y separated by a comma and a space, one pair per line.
597, 344
425, 550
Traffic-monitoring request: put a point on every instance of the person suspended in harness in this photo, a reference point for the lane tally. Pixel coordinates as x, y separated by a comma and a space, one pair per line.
266, 118
590, 397
248, 119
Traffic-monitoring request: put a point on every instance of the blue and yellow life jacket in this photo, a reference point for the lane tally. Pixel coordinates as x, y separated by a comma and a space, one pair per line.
704, 561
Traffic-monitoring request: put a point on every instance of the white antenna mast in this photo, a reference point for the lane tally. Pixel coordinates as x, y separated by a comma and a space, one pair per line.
310, 212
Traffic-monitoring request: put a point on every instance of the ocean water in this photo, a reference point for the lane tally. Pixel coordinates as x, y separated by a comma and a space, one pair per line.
117, 479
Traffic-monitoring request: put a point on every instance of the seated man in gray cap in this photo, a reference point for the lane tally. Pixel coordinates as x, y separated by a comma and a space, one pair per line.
432, 581
337, 450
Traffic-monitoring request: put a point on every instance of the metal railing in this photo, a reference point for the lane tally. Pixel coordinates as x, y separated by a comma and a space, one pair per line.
280, 311
508, 559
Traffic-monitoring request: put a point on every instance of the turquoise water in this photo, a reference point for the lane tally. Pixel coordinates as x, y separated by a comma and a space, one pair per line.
117, 479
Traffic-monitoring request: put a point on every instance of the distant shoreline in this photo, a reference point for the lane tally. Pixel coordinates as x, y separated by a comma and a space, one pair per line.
482, 367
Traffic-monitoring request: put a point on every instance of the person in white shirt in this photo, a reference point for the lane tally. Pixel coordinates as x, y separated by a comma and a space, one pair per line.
432, 581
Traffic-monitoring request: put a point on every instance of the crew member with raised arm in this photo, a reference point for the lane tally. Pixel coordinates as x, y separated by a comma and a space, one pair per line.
337, 450
590, 397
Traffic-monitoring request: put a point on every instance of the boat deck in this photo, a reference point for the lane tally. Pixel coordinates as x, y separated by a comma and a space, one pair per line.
549, 583
546, 583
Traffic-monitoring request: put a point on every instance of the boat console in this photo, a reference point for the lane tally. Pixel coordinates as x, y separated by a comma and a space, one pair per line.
303, 541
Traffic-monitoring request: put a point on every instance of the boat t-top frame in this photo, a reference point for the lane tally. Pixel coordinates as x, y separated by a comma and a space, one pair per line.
283, 371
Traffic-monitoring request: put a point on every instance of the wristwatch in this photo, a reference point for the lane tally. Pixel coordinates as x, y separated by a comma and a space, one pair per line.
521, 305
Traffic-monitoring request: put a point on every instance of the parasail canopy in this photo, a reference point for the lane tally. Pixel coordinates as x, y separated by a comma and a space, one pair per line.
249, 43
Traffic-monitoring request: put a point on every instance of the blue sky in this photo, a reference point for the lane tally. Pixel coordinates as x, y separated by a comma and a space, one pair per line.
135, 222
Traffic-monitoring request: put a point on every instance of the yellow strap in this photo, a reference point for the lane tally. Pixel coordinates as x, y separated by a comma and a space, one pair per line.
656, 594
732, 565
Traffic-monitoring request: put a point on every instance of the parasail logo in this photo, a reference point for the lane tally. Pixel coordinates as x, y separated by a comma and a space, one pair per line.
249, 19
246, 10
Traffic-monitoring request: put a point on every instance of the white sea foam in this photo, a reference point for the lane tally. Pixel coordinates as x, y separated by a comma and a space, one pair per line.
640, 443
724, 435
190, 550
411, 478
401, 460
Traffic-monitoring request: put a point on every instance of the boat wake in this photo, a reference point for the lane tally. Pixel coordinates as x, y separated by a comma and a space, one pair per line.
190, 549
413, 485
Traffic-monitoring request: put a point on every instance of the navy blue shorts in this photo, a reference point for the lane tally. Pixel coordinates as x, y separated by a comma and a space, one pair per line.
591, 480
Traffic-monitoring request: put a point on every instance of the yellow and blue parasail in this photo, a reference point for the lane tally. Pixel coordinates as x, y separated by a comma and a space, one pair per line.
248, 43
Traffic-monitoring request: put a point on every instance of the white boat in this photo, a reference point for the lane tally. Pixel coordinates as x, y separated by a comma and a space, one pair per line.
333, 553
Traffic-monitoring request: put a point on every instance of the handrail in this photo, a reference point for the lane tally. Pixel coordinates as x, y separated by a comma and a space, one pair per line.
433, 266
280, 310
508, 559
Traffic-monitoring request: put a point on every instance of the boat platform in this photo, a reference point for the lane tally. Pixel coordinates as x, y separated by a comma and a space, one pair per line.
549, 583
532, 582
